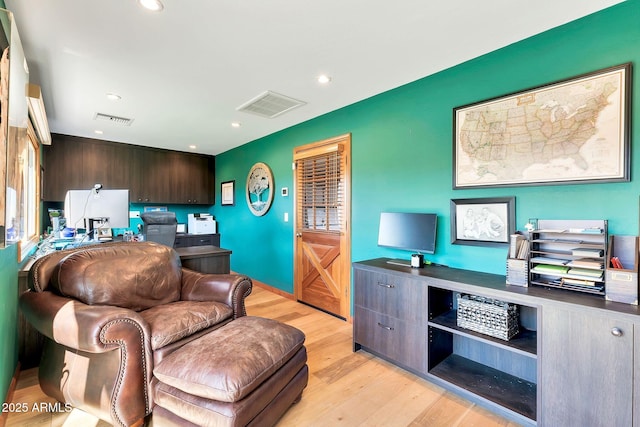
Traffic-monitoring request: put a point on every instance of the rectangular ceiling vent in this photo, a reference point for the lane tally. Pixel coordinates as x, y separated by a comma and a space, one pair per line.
122, 121
270, 104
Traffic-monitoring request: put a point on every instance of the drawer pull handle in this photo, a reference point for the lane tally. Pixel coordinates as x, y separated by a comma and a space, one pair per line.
388, 328
385, 285
617, 332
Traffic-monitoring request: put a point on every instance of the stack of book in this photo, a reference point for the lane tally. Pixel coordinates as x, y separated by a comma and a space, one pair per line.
518, 247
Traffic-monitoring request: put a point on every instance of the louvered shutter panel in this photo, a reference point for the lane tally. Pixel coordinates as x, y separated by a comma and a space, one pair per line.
321, 191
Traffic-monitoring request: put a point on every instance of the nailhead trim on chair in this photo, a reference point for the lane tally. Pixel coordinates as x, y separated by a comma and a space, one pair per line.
235, 299
121, 370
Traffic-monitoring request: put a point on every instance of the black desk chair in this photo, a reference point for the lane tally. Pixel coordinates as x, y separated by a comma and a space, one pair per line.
160, 227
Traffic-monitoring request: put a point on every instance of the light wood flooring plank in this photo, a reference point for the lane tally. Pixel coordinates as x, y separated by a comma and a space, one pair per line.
345, 388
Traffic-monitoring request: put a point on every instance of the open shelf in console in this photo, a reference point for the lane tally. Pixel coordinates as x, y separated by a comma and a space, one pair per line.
525, 342
498, 371
506, 390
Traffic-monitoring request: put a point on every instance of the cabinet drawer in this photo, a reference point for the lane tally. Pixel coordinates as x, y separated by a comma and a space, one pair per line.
395, 296
186, 240
401, 342
181, 242
204, 240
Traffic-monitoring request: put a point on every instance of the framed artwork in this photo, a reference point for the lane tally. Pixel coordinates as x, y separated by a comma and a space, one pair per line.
227, 193
482, 221
259, 189
572, 131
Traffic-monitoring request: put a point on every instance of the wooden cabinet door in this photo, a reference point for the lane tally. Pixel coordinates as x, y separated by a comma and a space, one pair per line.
190, 181
109, 164
63, 164
390, 317
173, 177
586, 369
391, 295
151, 175
199, 184
402, 342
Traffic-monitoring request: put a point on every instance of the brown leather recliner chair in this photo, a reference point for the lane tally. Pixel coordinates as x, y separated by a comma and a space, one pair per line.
110, 312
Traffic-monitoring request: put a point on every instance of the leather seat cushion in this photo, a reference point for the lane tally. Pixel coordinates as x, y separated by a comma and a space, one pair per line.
136, 276
230, 362
174, 321
268, 401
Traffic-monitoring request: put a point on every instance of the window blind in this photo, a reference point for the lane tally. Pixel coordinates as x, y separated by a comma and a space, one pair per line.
321, 191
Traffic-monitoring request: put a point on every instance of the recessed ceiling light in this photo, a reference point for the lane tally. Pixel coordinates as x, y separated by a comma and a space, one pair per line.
113, 97
323, 79
98, 132
236, 124
193, 147
153, 5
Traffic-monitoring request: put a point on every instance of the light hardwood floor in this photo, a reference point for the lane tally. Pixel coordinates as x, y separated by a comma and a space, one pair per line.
345, 388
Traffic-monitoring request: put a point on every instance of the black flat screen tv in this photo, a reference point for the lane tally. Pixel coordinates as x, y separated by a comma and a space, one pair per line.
409, 231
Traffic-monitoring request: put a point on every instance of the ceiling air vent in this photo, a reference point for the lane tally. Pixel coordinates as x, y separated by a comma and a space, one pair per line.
123, 121
270, 104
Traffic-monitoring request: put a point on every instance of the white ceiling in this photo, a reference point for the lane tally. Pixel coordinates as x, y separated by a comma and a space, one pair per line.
182, 72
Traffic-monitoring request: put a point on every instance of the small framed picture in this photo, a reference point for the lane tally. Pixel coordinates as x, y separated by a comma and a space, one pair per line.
227, 189
482, 221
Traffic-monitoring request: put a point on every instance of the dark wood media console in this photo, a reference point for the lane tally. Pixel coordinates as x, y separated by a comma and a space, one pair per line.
571, 364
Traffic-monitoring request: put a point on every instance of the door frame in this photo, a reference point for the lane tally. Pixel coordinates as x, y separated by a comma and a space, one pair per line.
312, 149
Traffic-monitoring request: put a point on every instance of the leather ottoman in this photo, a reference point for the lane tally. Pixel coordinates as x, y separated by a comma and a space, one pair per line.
246, 373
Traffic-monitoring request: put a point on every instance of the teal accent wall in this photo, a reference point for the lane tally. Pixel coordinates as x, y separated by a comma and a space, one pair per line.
8, 316
402, 153
8, 311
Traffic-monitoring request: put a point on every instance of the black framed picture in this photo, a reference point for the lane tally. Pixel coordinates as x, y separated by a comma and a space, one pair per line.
227, 193
482, 221
571, 131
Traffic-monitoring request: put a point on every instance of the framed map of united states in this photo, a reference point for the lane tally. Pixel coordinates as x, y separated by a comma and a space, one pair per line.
575, 130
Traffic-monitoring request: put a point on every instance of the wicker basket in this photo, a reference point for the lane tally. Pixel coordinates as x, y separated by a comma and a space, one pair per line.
488, 316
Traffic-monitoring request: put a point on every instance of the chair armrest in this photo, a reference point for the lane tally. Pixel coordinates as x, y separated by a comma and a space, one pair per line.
90, 328
230, 289
98, 329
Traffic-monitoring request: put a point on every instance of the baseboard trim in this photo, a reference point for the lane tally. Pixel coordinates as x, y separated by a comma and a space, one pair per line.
12, 388
277, 291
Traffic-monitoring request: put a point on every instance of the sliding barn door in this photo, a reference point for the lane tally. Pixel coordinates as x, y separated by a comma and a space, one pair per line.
322, 265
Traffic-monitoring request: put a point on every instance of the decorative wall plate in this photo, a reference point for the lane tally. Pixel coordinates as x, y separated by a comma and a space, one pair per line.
259, 189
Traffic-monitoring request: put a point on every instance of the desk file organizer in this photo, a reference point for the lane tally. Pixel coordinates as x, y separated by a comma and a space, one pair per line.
622, 283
